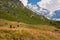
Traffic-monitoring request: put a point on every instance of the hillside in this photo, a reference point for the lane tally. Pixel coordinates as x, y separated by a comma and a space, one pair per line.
17, 12
14, 10
28, 31
33, 26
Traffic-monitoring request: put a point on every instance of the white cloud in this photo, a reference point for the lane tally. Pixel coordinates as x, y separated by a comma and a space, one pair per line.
51, 5
24, 2
56, 19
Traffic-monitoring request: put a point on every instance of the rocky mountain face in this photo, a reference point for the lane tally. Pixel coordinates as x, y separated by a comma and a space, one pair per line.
5, 5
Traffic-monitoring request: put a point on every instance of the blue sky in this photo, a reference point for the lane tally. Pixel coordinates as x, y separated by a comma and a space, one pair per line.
33, 2
57, 14
51, 5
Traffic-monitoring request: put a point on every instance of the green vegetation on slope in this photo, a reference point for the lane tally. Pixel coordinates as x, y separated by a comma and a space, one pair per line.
14, 10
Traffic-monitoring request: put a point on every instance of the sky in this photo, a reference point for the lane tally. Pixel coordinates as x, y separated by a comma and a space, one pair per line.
52, 5
33, 2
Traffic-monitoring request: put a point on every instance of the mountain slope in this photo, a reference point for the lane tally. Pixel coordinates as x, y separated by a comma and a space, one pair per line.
19, 13
32, 26
14, 10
